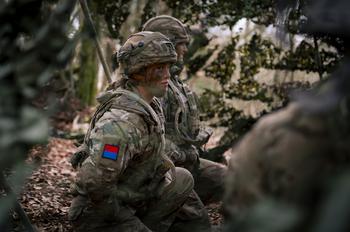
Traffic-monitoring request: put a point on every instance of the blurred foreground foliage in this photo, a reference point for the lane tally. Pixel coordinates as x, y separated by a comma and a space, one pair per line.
34, 44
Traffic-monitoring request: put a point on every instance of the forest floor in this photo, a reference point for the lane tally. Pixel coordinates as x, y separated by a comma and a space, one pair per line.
46, 198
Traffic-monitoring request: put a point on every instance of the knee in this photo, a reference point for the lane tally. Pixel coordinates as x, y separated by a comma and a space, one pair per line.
184, 180
212, 169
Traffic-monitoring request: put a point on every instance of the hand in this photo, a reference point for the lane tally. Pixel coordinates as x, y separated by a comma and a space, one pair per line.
78, 157
177, 156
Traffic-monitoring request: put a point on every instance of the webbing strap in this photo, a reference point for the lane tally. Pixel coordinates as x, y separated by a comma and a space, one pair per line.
182, 109
155, 118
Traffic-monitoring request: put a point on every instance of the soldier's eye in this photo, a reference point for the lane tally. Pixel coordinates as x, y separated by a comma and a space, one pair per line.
159, 69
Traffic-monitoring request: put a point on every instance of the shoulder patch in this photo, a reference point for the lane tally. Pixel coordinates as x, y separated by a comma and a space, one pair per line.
112, 154
110, 151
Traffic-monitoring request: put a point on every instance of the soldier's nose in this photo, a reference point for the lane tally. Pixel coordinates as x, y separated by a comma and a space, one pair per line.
185, 49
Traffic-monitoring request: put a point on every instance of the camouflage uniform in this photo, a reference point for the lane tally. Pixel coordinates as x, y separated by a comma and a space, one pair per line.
127, 183
295, 162
184, 133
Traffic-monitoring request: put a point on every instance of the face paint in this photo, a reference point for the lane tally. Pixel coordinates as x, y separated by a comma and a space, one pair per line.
157, 77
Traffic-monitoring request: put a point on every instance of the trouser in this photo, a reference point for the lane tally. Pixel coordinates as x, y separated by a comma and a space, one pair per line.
192, 216
161, 213
209, 181
209, 176
157, 215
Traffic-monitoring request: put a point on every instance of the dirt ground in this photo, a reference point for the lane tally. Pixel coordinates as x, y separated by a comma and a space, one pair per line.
46, 197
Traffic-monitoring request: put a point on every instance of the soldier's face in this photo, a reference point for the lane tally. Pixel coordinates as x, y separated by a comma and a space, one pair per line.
157, 77
181, 50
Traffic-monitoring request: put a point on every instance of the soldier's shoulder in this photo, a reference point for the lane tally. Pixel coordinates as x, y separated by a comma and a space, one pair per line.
276, 119
283, 131
292, 117
123, 119
116, 132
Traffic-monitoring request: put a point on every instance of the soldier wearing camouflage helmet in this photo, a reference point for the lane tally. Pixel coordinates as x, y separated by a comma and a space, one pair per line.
126, 182
180, 106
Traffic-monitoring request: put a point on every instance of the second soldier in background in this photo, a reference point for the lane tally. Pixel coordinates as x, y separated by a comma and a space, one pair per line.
183, 129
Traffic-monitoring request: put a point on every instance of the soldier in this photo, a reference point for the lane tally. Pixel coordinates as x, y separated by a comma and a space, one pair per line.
184, 133
126, 182
293, 166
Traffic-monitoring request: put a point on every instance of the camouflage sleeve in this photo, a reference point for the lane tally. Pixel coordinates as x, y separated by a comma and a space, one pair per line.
174, 152
112, 144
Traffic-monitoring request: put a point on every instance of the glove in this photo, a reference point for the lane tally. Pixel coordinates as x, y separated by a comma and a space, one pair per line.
177, 157
203, 136
78, 157
192, 156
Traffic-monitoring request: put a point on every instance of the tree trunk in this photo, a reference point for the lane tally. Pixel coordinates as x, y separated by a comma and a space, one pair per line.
87, 83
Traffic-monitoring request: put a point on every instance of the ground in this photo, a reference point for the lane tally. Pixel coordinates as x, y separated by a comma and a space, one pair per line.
46, 197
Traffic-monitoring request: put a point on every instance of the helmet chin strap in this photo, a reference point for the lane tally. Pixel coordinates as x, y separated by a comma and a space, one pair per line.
176, 68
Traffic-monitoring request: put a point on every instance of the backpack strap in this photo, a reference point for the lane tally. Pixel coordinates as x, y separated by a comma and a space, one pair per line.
182, 109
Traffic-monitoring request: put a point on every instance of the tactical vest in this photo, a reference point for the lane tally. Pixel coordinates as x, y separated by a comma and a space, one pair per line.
181, 114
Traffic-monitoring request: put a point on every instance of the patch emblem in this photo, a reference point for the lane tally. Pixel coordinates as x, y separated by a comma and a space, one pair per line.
110, 152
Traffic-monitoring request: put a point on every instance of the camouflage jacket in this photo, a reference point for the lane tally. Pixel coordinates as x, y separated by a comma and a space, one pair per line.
182, 123
125, 145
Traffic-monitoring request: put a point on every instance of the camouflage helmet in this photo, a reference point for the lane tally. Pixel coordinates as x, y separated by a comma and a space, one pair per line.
169, 26
145, 48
